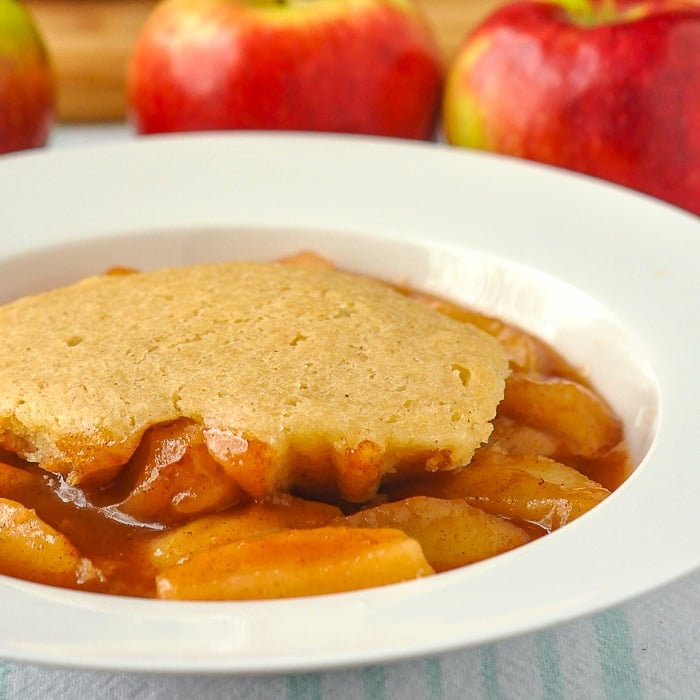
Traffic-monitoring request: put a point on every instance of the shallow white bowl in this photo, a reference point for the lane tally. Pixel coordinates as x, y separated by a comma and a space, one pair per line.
606, 275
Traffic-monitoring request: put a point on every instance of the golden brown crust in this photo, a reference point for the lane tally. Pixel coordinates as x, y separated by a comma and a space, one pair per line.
278, 363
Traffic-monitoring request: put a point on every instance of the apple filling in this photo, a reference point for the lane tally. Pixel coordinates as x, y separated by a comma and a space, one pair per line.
197, 511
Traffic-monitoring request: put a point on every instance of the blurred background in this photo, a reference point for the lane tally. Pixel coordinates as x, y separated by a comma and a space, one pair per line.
90, 42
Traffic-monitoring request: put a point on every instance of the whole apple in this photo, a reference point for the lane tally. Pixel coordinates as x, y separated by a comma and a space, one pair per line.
611, 89
356, 66
26, 84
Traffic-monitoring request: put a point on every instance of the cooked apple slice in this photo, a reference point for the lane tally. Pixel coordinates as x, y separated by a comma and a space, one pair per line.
296, 563
13, 478
176, 477
566, 409
525, 488
33, 550
282, 512
451, 532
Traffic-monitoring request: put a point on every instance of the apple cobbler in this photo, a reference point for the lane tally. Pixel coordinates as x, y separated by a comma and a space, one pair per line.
267, 430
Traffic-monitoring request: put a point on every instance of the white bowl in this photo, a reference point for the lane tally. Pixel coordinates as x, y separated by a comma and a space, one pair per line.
605, 275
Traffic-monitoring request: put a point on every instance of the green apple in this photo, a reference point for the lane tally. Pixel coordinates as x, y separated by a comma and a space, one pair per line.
26, 84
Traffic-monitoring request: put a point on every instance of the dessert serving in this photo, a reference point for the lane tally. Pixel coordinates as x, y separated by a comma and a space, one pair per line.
268, 430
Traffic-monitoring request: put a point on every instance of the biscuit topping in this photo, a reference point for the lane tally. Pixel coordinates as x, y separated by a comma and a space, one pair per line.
300, 377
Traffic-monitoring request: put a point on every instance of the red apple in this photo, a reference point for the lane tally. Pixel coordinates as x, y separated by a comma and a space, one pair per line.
611, 89
26, 84
358, 66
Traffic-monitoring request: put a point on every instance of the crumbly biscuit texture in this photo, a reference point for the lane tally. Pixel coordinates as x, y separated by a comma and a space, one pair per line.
295, 373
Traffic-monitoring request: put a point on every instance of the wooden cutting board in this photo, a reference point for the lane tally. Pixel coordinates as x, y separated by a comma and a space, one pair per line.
90, 42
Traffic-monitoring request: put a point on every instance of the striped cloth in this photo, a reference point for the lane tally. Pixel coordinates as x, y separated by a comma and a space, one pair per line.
646, 649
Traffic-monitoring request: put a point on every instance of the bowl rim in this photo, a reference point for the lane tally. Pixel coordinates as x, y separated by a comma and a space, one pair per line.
632, 254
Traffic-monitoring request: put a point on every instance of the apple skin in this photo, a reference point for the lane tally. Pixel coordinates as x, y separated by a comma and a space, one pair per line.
355, 66
26, 81
613, 92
